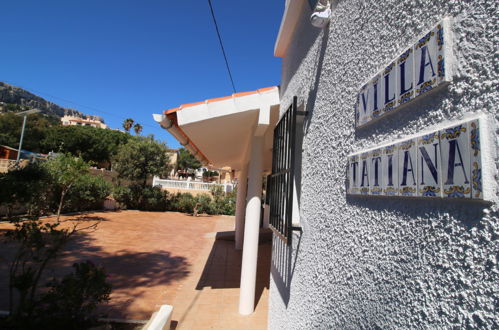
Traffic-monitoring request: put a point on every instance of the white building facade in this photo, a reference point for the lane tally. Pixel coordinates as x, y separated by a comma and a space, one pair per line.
365, 261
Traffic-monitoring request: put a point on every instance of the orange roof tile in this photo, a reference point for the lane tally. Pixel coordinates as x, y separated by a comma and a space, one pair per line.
183, 106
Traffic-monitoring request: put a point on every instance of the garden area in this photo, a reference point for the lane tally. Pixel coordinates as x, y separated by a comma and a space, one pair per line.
52, 264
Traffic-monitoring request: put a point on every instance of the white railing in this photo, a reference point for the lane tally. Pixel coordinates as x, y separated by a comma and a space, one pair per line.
189, 185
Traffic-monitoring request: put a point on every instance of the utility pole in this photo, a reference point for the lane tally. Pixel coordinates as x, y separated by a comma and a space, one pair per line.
25, 114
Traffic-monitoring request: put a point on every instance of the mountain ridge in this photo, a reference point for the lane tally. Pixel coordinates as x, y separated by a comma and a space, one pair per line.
12, 95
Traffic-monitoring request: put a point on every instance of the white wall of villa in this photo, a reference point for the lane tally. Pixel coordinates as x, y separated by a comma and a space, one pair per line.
388, 263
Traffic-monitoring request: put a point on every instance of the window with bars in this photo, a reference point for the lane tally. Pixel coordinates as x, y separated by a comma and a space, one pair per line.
280, 182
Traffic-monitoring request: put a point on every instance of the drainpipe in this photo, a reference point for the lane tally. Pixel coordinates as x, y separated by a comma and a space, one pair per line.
170, 125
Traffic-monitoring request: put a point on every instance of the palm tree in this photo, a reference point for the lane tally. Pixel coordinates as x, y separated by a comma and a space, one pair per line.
137, 128
127, 124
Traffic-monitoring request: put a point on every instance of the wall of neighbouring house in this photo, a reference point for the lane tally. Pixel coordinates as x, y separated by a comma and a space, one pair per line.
385, 262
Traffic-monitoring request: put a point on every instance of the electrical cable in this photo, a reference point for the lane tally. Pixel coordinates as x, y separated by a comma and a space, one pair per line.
75, 103
222, 46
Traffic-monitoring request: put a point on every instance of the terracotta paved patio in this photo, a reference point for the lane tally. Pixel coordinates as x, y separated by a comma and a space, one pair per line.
156, 258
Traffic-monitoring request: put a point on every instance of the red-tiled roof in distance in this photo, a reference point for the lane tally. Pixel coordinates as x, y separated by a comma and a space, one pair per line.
183, 106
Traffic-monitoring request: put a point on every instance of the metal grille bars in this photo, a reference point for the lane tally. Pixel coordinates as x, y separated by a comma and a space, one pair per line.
280, 185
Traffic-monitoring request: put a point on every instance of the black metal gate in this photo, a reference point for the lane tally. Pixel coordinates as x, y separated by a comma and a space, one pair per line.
280, 182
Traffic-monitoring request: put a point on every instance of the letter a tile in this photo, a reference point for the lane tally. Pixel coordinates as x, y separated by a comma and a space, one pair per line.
364, 173
407, 174
426, 63
456, 174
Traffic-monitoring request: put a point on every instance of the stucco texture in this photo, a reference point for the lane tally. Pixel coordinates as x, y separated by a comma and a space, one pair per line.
389, 263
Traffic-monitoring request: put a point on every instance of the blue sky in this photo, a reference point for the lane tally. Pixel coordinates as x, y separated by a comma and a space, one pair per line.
134, 58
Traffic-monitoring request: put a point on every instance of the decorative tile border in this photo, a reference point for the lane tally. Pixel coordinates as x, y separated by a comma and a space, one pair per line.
445, 163
419, 69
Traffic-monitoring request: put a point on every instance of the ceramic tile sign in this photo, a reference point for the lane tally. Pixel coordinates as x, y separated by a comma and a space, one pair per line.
456, 171
375, 172
363, 113
429, 164
389, 85
412, 74
364, 171
407, 168
353, 174
446, 163
389, 173
476, 160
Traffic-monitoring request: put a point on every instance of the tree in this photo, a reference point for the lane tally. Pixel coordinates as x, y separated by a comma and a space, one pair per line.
137, 128
65, 171
127, 124
94, 145
186, 161
27, 186
36, 130
141, 158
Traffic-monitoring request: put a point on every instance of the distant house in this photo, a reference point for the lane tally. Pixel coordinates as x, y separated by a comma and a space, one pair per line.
8, 153
77, 121
8, 157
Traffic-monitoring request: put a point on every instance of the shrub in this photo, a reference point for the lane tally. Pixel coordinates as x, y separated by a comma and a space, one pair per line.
123, 195
73, 299
154, 199
28, 186
138, 197
69, 301
87, 194
223, 203
203, 204
184, 203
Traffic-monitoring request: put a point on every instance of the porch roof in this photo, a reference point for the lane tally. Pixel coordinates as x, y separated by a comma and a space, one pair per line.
218, 131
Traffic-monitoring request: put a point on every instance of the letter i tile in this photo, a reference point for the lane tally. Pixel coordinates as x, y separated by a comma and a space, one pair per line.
426, 62
456, 174
429, 166
476, 159
375, 175
405, 76
389, 164
376, 101
407, 165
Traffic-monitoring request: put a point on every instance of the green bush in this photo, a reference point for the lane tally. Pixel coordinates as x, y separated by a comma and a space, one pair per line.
154, 199
72, 300
185, 203
88, 193
203, 204
142, 198
123, 195
28, 186
66, 303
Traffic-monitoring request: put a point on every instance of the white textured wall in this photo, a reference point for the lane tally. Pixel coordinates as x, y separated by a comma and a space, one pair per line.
385, 262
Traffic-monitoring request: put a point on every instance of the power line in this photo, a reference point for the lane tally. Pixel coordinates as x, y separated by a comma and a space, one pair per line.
222, 46
74, 103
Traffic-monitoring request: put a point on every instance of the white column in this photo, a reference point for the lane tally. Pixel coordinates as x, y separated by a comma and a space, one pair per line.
251, 229
242, 181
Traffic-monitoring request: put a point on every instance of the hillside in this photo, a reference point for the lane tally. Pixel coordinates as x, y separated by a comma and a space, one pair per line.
13, 98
